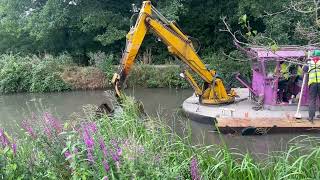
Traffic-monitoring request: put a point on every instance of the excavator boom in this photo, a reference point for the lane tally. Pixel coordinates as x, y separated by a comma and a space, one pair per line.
179, 45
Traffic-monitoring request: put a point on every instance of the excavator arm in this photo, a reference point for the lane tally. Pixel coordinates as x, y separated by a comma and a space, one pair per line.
213, 90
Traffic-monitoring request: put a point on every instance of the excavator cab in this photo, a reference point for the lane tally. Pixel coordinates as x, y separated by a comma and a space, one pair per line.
211, 92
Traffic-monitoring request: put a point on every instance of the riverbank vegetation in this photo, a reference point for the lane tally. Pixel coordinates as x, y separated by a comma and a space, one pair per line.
129, 145
34, 29
49, 73
58, 73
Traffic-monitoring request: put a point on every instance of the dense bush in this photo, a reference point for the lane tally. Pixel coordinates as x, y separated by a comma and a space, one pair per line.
104, 63
15, 76
155, 77
46, 77
32, 74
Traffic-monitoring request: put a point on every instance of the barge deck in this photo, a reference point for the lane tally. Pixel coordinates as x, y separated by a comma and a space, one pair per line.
240, 117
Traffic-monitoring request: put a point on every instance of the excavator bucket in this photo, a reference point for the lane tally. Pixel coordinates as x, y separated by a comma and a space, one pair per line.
108, 106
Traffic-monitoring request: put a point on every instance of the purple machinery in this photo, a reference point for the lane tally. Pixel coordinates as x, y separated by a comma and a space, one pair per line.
265, 66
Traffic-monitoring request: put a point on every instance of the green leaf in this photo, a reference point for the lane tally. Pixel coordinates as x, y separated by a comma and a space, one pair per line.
244, 18
274, 47
255, 32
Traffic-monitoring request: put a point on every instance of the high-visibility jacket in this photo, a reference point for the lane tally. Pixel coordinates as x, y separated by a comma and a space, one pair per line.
314, 72
284, 70
300, 71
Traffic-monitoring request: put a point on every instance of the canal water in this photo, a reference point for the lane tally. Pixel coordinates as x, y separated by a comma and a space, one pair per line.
163, 103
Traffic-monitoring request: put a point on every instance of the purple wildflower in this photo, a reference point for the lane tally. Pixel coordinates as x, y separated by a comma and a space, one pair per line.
89, 141
114, 143
4, 139
194, 169
28, 128
47, 131
75, 151
115, 156
90, 156
105, 178
67, 154
14, 147
106, 165
119, 151
93, 127
103, 148
52, 122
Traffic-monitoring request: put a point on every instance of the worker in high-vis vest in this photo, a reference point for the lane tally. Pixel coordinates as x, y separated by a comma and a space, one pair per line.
283, 82
313, 70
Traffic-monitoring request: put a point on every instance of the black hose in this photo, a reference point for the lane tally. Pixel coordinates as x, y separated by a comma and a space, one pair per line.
131, 19
198, 42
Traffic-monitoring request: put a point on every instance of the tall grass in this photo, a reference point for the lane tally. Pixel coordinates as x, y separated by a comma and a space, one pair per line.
129, 145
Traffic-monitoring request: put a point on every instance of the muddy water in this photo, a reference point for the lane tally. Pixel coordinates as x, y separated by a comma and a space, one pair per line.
164, 103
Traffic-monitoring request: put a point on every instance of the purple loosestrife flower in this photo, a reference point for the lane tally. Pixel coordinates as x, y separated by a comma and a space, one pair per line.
114, 143
194, 169
14, 147
89, 141
75, 151
90, 156
105, 178
52, 122
47, 131
4, 139
117, 153
28, 128
103, 148
93, 127
115, 156
67, 154
106, 165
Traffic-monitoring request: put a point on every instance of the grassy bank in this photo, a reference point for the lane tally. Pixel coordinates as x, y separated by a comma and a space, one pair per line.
131, 146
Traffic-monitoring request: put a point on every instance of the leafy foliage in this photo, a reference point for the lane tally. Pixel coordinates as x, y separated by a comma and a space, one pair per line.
227, 67
79, 27
156, 77
47, 78
24, 74
14, 76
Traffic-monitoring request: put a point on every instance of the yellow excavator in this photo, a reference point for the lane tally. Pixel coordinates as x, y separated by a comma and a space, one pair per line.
212, 91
